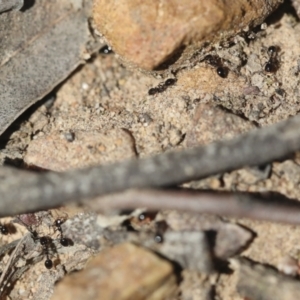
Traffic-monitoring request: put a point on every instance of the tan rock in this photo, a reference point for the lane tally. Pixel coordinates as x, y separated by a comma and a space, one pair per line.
123, 272
148, 33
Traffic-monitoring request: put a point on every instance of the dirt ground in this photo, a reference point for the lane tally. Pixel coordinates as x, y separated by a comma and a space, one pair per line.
103, 113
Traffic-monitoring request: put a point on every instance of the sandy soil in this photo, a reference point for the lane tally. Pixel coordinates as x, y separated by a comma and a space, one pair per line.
102, 113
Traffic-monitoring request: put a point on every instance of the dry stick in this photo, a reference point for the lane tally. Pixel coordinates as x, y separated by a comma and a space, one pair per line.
257, 281
10, 265
269, 207
21, 191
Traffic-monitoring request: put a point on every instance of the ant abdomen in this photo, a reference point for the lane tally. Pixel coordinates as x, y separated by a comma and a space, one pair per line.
216, 62
48, 263
66, 242
222, 71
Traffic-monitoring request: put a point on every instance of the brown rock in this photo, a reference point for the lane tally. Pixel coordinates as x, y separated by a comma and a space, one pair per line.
123, 272
148, 33
62, 151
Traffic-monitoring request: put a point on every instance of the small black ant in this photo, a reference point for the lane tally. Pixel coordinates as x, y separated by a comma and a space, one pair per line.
31, 221
162, 86
46, 243
158, 238
216, 62
152, 91
272, 64
147, 216
142, 217
63, 240
170, 81
106, 50
213, 60
4, 229
161, 227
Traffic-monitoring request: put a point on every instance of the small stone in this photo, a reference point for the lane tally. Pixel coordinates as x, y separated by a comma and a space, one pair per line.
123, 272
152, 32
69, 136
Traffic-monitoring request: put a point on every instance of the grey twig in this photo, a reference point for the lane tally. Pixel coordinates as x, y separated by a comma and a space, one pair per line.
268, 207
9, 267
22, 191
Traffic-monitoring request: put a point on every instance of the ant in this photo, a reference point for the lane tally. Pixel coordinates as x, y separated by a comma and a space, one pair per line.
272, 64
147, 217
106, 50
31, 222
158, 238
4, 229
28, 220
63, 240
46, 243
170, 81
216, 62
162, 86
161, 228
154, 91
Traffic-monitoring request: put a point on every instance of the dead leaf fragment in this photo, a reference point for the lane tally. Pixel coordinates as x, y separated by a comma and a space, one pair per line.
40, 47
